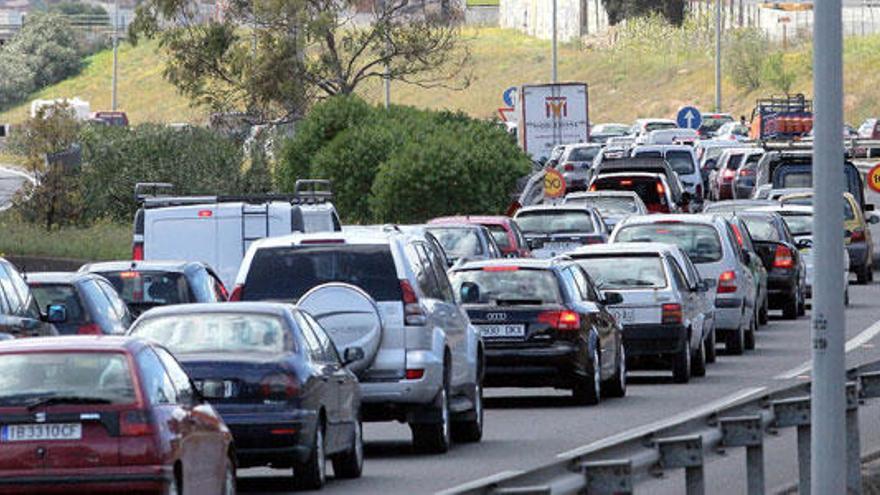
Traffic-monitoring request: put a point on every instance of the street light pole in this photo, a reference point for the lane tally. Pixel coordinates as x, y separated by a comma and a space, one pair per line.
555, 42
828, 462
115, 53
717, 55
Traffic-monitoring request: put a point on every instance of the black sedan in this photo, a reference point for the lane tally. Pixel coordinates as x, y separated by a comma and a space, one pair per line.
277, 380
786, 270
91, 305
544, 325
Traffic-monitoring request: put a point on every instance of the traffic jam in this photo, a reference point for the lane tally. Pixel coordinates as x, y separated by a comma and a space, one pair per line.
259, 331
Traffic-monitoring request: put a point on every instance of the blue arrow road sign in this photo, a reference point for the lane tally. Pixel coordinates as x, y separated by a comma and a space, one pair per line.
509, 96
689, 118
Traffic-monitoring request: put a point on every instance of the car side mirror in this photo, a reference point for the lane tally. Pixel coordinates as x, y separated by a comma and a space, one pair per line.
469, 293
612, 298
351, 355
873, 218
56, 313
804, 244
710, 283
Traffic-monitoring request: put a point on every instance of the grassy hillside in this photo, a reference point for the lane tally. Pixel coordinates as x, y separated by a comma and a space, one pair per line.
633, 80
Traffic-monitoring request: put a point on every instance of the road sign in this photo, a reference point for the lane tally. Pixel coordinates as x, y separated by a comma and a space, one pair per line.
873, 178
507, 114
554, 184
510, 96
689, 118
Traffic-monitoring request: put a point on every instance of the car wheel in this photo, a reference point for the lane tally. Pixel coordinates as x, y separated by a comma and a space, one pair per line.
435, 438
764, 313
710, 346
802, 303
471, 430
616, 386
736, 342
750, 334
790, 308
229, 483
681, 364
350, 464
312, 474
588, 389
864, 275
698, 361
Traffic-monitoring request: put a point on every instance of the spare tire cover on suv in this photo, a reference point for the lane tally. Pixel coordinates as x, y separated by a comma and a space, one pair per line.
349, 315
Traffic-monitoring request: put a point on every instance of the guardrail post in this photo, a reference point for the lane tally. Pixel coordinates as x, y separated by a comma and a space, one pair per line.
796, 412
608, 477
747, 431
853, 444
684, 452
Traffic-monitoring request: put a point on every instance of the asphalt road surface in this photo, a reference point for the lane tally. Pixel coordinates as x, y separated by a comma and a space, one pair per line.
10, 182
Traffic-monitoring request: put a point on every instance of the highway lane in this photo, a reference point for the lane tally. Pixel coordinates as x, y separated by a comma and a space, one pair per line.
11, 181
525, 428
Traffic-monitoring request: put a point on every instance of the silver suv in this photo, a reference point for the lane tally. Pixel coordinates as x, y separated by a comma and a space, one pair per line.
424, 361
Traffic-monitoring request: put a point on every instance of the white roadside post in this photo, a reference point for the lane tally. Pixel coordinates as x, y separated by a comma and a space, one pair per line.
828, 462
717, 55
115, 53
555, 76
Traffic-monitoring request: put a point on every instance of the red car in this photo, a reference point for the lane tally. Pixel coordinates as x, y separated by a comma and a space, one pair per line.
87, 414
505, 231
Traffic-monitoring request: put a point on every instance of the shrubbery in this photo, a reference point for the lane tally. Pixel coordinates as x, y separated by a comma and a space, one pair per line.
403, 164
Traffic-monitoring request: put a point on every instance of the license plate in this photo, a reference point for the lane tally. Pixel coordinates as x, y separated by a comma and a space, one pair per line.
503, 331
623, 315
41, 432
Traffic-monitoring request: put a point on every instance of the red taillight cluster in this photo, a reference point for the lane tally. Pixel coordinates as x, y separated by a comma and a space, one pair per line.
671, 314
413, 313
568, 167
237, 293
137, 251
560, 320
857, 236
727, 174
137, 423
660, 189
783, 258
89, 329
745, 172
415, 374
727, 282
280, 387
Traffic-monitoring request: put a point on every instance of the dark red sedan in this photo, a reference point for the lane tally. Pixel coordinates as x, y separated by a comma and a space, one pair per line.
106, 414
506, 232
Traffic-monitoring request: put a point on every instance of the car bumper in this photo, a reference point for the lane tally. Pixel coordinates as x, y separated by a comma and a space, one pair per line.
398, 389
858, 256
543, 366
652, 340
725, 191
728, 313
780, 287
273, 437
115, 479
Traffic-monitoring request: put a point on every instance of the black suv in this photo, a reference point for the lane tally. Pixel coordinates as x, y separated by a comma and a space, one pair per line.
544, 324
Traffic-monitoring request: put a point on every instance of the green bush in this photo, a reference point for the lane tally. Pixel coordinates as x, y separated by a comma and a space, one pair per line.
775, 73
745, 55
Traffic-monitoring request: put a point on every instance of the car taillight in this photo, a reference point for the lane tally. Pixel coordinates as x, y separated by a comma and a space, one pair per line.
857, 236
568, 167
415, 374
727, 174
279, 387
237, 293
738, 234
671, 314
89, 329
136, 423
660, 189
783, 258
745, 172
413, 313
593, 187
137, 251
727, 282
560, 320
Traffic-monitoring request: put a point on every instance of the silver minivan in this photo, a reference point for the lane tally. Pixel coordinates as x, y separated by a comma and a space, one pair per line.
423, 361
711, 244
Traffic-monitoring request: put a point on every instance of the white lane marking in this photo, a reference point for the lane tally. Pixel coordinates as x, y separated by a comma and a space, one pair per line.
470, 485
665, 423
852, 344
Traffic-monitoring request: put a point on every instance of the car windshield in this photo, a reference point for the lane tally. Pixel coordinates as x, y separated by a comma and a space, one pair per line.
734, 161
514, 285
712, 123
150, 288
555, 222
796, 179
286, 273
92, 377
48, 294
499, 233
608, 205
583, 154
458, 242
680, 161
217, 333
625, 272
700, 242
799, 223
761, 229
657, 126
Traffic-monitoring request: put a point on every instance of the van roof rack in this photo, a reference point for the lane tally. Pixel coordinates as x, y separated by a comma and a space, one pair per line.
306, 191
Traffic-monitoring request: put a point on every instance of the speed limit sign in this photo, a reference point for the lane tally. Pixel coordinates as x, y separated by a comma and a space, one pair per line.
554, 184
873, 178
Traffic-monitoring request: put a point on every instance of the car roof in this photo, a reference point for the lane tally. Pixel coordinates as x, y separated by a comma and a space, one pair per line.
787, 208
517, 262
370, 234
266, 308
624, 248
631, 174
58, 277
477, 219
74, 343
559, 207
177, 266
653, 120
743, 203
607, 193
662, 147
687, 218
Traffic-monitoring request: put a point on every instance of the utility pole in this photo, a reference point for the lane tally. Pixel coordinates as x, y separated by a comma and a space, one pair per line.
386, 78
555, 42
115, 53
717, 55
828, 461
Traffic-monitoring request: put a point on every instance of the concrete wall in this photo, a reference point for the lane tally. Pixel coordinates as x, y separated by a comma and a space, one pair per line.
575, 18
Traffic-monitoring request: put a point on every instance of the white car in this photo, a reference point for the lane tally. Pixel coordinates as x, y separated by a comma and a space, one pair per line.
614, 206
672, 136
642, 127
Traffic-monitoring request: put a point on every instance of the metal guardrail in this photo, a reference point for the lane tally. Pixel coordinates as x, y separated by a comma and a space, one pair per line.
617, 468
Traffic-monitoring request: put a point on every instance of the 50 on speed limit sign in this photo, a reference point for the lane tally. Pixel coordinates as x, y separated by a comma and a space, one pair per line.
873, 178
554, 184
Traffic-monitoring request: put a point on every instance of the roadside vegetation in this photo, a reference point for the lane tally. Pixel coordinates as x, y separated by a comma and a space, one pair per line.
103, 240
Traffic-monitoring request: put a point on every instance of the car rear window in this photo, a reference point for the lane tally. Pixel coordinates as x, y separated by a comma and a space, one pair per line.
799, 224
286, 273
645, 187
700, 242
555, 222
656, 126
458, 242
608, 205
94, 377
499, 233
680, 161
583, 154
625, 271
217, 333
734, 161
713, 123
48, 294
762, 229
511, 286
152, 288
796, 179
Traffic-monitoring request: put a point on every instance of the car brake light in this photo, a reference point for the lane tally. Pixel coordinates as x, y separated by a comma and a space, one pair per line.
727, 282
626, 182
237, 293
671, 314
568, 167
279, 386
129, 275
135, 423
89, 329
745, 172
413, 314
205, 213
137, 251
415, 374
593, 187
728, 174
783, 258
500, 268
738, 234
857, 236
560, 320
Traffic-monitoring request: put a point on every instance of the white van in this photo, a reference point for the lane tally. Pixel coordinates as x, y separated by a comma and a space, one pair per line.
218, 230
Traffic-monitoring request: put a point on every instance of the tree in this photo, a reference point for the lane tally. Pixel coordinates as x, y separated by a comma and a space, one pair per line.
50, 47
745, 56
295, 51
776, 74
620, 10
